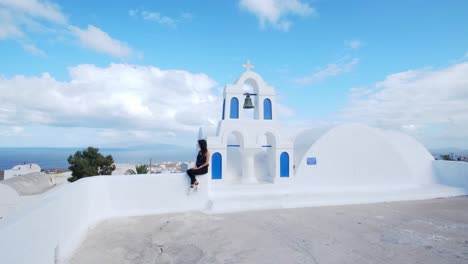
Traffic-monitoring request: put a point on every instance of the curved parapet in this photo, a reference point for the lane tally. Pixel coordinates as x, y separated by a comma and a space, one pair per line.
29, 184
358, 156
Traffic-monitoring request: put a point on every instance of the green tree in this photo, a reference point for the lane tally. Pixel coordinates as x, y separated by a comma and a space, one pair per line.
446, 157
141, 169
90, 162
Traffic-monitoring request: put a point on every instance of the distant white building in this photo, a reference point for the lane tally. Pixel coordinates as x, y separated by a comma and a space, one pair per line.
124, 168
184, 167
19, 170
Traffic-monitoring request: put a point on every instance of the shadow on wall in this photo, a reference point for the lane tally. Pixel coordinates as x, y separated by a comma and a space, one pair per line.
305, 139
451, 173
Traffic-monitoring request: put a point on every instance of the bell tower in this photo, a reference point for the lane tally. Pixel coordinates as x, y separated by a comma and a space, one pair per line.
260, 100
249, 146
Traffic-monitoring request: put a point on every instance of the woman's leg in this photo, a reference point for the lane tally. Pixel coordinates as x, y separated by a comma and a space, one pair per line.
191, 174
200, 171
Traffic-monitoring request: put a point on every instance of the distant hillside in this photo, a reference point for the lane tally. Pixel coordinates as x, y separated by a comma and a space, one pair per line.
455, 151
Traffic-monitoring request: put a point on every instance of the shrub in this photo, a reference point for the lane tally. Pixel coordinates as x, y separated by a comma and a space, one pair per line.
89, 162
141, 169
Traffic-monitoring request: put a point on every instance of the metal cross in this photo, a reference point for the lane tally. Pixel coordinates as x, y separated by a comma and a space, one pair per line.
248, 66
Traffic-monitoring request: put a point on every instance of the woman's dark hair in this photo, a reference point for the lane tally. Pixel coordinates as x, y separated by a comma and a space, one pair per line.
203, 146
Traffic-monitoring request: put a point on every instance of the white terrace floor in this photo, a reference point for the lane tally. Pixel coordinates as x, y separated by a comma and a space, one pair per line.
430, 231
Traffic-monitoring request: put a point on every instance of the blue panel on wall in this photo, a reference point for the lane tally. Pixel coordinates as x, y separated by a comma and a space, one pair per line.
284, 164
217, 169
234, 113
312, 161
267, 113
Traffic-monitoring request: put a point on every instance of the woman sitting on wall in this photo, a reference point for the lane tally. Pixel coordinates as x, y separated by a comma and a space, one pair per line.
201, 166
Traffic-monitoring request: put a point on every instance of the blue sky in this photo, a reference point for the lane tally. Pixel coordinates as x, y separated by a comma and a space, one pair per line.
392, 64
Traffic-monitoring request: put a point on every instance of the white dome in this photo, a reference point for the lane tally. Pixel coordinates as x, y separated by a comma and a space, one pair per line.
356, 155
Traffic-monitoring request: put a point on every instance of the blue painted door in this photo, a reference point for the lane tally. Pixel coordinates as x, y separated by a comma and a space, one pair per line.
267, 115
217, 169
284, 164
234, 113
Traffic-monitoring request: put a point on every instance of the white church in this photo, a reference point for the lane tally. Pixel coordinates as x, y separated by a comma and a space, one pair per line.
255, 164
251, 148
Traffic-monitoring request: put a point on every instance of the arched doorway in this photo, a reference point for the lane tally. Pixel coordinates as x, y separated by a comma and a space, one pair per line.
233, 157
265, 158
216, 166
284, 164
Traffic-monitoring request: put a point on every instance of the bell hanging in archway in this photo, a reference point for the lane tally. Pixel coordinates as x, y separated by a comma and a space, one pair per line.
248, 102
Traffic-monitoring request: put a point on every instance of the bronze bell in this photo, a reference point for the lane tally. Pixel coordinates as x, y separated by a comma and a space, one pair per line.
248, 102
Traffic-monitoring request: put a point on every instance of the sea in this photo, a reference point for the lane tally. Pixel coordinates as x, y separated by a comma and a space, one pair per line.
49, 158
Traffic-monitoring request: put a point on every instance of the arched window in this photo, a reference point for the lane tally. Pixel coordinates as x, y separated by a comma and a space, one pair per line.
224, 106
234, 113
217, 169
267, 115
284, 164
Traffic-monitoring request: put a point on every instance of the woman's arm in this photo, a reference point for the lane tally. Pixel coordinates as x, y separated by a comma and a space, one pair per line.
207, 162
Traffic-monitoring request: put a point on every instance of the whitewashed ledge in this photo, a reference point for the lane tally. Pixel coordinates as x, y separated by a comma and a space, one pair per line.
54, 224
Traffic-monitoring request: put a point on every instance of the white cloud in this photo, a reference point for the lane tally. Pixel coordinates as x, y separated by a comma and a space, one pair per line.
120, 96
431, 104
276, 12
8, 26
353, 44
18, 18
152, 16
33, 49
11, 130
96, 39
330, 70
159, 18
39, 9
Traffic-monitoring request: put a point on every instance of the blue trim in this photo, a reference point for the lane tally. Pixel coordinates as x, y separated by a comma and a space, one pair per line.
234, 113
234, 146
284, 164
312, 161
224, 106
266, 146
217, 166
267, 111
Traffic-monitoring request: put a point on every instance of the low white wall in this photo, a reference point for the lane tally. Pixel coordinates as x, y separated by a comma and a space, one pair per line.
8, 198
54, 225
451, 173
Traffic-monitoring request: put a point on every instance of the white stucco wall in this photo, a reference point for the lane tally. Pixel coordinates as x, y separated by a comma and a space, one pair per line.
9, 198
451, 173
355, 155
54, 225
417, 158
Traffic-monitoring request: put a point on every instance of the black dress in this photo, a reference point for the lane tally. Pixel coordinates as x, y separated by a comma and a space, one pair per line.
201, 159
